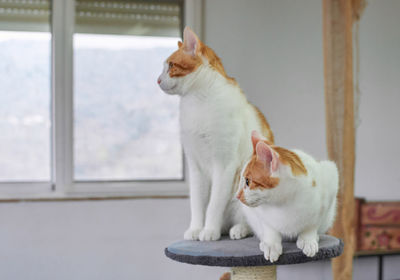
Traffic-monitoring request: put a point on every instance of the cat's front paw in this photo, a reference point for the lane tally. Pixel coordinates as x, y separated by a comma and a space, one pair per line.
308, 246
209, 234
239, 231
192, 234
272, 250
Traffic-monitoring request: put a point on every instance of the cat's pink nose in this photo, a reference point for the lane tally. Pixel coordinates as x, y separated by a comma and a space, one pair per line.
159, 81
239, 195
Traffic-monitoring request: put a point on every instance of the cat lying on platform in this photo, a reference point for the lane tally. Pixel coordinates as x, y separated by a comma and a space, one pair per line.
215, 121
287, 193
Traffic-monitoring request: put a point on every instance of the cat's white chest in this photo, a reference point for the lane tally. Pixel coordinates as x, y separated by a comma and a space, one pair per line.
286, 220
206, 125
197, 127
195, 116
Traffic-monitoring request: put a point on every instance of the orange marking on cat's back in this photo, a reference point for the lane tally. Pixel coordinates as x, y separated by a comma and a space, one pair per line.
265, 128
215, 62
292, 159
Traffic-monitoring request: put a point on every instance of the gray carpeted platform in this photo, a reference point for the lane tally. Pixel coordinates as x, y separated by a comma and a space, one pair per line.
246, 252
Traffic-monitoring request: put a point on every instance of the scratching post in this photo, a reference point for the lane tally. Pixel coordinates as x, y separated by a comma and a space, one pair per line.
338, 19
254, 273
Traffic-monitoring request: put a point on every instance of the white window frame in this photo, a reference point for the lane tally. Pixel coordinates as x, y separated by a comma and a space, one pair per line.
62, 185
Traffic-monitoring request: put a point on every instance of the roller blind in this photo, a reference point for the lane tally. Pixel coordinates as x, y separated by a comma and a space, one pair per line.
25, 15
154, 18
128, 17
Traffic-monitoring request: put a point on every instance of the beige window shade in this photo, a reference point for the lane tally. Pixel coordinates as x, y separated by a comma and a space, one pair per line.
25, 15
125, 17
153, 18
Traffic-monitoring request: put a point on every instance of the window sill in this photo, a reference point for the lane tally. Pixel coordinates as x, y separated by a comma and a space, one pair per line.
55, 198
94, 191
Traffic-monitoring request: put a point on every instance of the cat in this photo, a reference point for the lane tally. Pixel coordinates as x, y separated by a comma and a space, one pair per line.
287, 193
215, 119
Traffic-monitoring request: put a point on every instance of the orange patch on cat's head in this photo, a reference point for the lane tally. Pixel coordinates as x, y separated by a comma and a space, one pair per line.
282, 155
258, 175
190, 55
290, 158
181, 63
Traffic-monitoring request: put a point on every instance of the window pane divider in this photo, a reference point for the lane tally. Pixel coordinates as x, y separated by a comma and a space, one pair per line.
62, 94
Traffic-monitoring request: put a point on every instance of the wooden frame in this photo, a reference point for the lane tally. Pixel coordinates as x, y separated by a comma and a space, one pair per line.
338, 18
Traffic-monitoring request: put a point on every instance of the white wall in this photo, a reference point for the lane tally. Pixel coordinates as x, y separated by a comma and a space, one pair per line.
274, 49
94, 240
378, 136
122, 240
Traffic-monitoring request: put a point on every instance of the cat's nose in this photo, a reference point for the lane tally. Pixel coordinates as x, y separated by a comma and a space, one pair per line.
159, 81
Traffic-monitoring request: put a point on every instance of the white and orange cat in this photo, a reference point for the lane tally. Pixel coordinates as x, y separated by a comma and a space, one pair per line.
287, 193
215, 120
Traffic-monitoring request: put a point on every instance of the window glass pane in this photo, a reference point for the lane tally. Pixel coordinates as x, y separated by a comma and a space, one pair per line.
24, 91
125, 127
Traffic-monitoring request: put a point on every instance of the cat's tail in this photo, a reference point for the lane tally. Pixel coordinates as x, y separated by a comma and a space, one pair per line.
330, 174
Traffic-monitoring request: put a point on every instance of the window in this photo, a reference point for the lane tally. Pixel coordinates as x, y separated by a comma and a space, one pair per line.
25, 53
87, 117
124, 127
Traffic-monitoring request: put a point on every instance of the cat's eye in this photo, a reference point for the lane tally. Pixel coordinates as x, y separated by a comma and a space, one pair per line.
170, 65
247, 182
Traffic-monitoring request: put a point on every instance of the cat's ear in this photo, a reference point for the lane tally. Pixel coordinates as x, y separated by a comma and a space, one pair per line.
191, 43
180, 44
268, 156
255, 138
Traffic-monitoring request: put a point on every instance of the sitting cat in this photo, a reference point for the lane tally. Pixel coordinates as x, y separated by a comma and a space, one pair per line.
287, 193
215, 119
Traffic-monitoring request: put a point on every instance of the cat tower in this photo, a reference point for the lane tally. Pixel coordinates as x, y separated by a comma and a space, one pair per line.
244, 256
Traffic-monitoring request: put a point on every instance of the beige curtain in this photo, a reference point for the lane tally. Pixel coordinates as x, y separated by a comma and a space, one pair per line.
338, 19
